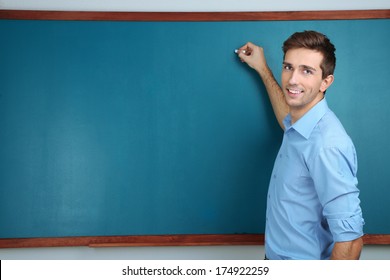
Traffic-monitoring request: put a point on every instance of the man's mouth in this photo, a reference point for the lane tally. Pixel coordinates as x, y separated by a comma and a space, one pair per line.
294, 91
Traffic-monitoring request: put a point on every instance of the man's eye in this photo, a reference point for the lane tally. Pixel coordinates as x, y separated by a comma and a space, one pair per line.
287, 67
307, 72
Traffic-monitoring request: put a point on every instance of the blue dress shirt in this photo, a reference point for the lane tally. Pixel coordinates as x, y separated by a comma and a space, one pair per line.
313, 199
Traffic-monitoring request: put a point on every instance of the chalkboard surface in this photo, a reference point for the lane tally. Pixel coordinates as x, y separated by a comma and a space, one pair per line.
145, 128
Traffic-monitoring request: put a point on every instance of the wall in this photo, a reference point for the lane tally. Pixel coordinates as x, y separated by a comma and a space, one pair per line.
370, 252
193, 5
218, 252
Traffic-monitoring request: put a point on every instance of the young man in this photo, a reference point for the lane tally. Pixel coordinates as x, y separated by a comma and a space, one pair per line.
313, 206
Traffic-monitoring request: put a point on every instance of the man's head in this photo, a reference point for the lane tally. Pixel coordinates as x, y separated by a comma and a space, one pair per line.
315, 41
308, 66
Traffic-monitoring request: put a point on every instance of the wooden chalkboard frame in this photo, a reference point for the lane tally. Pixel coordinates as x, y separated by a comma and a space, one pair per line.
189, 239
194, 16
158, 240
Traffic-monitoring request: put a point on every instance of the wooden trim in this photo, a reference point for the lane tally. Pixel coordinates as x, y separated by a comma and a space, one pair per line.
144, 240
376, 239
185, 240
158, 240
194, 16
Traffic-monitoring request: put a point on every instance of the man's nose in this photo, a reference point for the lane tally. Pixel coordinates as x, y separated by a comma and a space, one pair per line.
293, 79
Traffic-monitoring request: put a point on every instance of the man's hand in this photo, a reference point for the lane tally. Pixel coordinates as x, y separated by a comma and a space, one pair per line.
253, 56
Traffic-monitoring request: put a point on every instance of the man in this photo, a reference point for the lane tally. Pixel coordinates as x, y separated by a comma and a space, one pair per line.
313, 206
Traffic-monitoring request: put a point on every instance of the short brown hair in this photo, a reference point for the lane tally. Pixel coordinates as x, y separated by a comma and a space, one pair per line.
314, 40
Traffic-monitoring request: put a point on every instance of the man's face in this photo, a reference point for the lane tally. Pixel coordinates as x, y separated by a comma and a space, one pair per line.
302, 82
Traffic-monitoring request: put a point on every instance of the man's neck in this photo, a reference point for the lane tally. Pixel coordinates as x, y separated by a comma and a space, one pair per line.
298, 112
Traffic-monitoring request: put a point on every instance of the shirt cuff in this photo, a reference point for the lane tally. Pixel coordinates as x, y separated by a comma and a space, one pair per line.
346, 229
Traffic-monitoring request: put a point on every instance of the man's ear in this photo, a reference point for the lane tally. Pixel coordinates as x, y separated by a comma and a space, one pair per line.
326, 83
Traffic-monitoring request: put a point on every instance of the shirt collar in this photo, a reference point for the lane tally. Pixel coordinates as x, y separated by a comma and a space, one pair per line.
307, 122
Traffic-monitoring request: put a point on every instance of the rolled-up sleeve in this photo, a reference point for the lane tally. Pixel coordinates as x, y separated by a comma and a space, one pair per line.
334, 172
346, 229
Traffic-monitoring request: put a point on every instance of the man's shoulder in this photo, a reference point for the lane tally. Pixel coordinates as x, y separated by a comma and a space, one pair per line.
330, 132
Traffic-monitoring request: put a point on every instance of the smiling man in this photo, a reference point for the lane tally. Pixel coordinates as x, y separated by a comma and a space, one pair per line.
313, 206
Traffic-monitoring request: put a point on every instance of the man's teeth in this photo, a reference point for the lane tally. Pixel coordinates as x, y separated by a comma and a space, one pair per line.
294, 91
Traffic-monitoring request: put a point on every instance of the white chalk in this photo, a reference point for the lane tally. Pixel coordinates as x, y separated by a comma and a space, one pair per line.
236, 51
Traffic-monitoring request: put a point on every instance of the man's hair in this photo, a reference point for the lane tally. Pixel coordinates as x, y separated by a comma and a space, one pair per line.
316, 41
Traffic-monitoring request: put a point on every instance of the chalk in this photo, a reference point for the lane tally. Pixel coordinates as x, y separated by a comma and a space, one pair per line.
236, 51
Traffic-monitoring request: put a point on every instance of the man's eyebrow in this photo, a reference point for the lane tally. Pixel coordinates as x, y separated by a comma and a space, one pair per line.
307, 67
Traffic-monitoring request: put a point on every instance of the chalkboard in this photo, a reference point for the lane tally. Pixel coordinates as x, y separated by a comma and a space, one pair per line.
148, 128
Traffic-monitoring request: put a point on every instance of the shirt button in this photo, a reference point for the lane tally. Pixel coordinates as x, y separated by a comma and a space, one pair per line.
274, 176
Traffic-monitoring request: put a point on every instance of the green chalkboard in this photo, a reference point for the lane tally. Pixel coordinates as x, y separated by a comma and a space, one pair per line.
146, 128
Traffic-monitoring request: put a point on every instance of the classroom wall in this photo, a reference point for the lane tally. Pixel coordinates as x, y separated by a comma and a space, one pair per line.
193, 5
195, 252
370, 252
